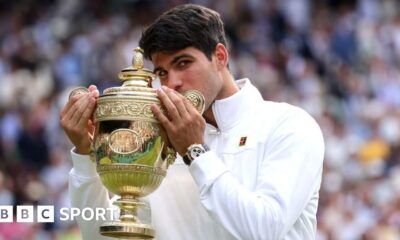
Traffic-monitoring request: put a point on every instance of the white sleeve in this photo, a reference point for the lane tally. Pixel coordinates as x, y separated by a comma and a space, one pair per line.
87, 191
288, 175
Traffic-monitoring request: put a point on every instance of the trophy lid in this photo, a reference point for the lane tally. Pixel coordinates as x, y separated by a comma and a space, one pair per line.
133, 100
134, 77
137, 69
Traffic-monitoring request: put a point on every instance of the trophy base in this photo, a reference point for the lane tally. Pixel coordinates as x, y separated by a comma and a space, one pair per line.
127, 230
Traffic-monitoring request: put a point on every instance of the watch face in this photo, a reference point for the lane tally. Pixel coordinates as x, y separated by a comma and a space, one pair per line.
196, 151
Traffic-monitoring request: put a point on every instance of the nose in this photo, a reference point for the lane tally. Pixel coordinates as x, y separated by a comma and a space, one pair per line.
174, 81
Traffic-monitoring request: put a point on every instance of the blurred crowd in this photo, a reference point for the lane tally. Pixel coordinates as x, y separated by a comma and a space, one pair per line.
339, 60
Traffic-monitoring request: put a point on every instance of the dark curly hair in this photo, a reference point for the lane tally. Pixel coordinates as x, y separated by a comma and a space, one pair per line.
187, 25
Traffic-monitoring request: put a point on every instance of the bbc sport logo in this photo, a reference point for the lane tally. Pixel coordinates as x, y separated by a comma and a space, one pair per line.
46, 213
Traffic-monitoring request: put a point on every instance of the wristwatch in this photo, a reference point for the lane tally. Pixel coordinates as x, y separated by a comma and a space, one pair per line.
194, 151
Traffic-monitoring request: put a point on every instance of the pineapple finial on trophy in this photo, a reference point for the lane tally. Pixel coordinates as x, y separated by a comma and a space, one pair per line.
137, 60
137, 74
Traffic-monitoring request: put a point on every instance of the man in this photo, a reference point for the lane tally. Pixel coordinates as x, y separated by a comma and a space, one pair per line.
258, 172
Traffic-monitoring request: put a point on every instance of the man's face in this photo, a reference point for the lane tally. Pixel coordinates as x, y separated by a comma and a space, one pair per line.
189, 69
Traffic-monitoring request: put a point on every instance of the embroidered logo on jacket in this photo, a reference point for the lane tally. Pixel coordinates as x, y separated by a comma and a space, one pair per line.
242, 141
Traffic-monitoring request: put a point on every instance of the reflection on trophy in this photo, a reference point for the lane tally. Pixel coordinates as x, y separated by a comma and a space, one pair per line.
130, 148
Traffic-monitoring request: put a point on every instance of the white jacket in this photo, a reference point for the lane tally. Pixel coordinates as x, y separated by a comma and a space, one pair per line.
265, 189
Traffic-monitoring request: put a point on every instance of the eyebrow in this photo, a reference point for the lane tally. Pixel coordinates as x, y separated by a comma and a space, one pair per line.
179, 57
176, 59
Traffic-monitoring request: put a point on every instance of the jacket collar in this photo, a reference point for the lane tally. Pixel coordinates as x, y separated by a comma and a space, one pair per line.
229, 111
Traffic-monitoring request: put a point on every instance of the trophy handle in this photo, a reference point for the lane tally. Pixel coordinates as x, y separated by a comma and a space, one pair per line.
170, 155
92, 154
196, 99
168, 152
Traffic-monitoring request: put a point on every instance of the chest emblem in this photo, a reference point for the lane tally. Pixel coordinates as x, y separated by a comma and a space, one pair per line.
242, 141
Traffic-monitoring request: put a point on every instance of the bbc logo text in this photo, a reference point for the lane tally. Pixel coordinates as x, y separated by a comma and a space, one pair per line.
46, 213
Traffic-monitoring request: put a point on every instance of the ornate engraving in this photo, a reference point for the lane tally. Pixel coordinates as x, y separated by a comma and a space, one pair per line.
124, 110
147, 111
124, 141
196, 99
130, 167
145, 130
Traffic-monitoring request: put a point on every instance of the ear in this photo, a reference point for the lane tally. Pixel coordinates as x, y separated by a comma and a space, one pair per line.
221, 56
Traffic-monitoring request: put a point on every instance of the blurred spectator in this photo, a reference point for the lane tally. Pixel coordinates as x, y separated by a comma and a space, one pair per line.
6, 196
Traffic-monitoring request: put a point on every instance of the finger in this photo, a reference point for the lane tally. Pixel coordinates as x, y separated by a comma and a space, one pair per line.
70, 104
74, 95
160, 116
74, 101
178, 102
86, 119
191, 111
87, 112
90, 126
189, 106
79, 109
193, 114
168, 104
93, 88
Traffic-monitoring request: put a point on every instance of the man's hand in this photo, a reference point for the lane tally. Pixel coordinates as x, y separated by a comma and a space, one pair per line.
184, 124
76, 119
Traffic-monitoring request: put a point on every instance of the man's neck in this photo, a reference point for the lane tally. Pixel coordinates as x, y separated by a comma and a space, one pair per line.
229, 88
209, 117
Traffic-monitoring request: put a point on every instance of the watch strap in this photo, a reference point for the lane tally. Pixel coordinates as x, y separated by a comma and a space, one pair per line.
186, 159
